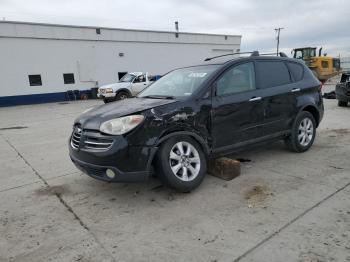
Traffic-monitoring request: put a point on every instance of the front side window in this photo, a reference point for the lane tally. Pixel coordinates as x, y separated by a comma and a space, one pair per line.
127, 78
238, 79
180, 82
298, 54
140, 79
272, 73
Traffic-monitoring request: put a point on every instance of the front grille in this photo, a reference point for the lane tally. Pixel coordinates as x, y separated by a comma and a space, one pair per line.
76, 136
89, 139
94, 140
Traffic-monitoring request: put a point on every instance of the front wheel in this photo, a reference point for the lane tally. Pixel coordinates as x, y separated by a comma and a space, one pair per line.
181, 163
122, 95
303, 133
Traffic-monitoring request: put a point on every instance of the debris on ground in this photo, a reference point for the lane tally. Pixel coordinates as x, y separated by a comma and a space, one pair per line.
329, 95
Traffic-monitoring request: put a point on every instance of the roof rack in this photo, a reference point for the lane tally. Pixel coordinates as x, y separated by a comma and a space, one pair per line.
253, 53
239, 53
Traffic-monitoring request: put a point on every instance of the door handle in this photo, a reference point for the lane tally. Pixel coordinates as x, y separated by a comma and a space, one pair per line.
295, 90
255, 99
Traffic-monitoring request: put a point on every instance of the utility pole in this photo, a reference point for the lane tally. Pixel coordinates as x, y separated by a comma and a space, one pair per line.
176, 28
278, 30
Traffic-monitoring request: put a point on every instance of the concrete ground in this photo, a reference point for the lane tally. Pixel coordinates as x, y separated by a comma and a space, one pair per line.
283, 207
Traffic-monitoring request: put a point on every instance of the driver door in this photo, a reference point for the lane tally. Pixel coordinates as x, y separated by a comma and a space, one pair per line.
237, 108
138, 84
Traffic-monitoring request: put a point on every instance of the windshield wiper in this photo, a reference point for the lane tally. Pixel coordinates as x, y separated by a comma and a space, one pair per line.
159, 97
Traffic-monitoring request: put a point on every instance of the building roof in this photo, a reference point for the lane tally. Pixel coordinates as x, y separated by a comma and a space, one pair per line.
18, 29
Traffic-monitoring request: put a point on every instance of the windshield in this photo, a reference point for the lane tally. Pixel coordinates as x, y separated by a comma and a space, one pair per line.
180, 82
127, 78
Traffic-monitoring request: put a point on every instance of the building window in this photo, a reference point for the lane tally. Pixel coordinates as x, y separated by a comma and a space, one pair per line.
68, 78
98, 31
35, 80
121, 74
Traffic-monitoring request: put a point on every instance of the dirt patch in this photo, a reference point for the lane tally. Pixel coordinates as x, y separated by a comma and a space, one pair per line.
341, 131
257, 196
53, 190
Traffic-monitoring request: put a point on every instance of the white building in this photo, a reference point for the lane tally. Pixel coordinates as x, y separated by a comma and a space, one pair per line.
35, 57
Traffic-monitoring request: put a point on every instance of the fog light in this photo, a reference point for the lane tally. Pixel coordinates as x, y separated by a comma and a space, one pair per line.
110, 173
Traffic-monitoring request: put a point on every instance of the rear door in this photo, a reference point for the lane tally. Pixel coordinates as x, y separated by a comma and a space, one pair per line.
237, 111
279, 101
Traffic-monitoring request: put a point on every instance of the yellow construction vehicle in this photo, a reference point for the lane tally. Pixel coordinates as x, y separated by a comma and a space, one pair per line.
323, 66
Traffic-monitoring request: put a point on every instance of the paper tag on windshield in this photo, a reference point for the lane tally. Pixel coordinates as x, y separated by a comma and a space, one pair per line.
197, 75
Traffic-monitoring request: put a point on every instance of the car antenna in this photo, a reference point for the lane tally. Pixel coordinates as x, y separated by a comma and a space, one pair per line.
255, 53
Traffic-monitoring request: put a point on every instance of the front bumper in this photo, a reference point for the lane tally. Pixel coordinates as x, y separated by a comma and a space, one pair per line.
99, 172
129, 163
105, 95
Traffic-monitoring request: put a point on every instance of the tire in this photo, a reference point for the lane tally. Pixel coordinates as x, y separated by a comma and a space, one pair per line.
122, 95
169, 159
342, 103
303, 133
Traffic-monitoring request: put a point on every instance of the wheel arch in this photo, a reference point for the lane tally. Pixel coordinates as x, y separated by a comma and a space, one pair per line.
204, 146
195, 136
312, 109
122, 90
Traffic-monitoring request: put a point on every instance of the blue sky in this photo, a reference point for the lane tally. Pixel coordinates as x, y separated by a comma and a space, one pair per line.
307, 23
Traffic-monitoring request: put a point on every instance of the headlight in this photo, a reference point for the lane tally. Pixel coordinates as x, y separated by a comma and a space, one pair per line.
122, 125
109, 90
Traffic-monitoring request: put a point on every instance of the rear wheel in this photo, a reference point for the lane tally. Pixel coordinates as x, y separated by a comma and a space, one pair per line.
342, 103
122, 95
303, 133
181, 163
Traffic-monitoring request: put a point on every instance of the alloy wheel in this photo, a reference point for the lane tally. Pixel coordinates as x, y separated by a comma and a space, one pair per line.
184, 161
305, 132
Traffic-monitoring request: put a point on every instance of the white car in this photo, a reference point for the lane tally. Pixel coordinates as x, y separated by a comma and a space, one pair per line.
129, 85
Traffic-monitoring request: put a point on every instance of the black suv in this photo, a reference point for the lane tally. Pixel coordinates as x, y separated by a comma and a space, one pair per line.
195, 113
342, 90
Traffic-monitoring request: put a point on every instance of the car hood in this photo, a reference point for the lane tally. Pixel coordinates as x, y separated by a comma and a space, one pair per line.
116, 85
94, 117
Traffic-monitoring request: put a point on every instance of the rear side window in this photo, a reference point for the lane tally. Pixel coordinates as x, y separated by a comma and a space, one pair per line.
272, 73
296, 71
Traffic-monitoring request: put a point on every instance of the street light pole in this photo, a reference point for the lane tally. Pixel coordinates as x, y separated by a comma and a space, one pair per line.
278, 30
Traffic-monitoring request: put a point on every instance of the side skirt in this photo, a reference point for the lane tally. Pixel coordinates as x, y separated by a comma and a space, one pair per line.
225, 150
